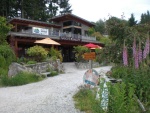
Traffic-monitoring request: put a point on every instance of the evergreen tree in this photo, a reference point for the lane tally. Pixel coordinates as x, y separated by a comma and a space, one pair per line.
145, 18
65, 7
33, 9
7, 8
52, 8
132, 21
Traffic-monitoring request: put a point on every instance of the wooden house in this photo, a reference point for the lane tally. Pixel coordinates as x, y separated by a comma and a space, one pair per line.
68, 29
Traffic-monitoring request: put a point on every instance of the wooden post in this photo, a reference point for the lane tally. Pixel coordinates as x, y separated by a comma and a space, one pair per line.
15, 27
90, 63
16, 47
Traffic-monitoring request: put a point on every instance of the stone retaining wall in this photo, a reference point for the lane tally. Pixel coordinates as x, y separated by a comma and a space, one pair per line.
86, 65
38, 68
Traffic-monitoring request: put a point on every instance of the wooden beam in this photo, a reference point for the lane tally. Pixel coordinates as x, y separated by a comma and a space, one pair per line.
16, 47
16, 27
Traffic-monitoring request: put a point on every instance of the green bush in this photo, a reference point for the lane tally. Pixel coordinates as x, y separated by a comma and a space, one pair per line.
85, 101
38, 53
3, 72
5, 27
121, 99
7, 53
55, 54
80, 50
31, 62
22, 60
20, 79
2, 61
138, 77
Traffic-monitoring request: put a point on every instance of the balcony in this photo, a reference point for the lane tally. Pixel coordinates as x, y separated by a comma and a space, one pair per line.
55, 35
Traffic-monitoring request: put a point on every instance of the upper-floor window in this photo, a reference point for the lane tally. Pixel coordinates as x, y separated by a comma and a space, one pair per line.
77, 23
67, 23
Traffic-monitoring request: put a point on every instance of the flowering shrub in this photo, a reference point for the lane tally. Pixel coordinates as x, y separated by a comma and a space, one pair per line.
37, 53
138, 72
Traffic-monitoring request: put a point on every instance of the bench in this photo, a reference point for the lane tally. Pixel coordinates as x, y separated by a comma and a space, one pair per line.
45, 73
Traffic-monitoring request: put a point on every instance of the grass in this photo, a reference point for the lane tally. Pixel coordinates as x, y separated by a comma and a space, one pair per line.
53, 73
85, 101
20, 79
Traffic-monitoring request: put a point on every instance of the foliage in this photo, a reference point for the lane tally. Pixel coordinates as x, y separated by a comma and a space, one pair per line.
121, 99
55, 54
3, 72
98, 55
38, 53
145, 18
31, 62
91, 31
20, 79
100, 26
105, 55
53, 73
43, 9
4, 29
22, 60
2, 61
105, 40
138, 77
97, 35
6, 53
85, 101
80, 50
65, 6
132, 21
120, 32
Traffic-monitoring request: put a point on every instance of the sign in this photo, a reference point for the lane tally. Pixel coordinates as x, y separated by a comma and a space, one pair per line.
91, 77
40, 31
89, 56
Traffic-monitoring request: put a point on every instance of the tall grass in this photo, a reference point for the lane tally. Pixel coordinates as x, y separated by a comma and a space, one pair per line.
85, 101
20, 79
120, 100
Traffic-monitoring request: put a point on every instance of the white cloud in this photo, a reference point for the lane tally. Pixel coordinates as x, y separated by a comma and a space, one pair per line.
100, 9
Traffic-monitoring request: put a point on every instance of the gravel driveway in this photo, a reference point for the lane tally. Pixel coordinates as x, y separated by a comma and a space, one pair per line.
52, 95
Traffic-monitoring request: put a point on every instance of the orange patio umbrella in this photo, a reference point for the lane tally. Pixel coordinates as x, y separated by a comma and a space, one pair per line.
47, 41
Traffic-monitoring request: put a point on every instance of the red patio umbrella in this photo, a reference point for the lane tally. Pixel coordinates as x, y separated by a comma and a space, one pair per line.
98, 47
90, 45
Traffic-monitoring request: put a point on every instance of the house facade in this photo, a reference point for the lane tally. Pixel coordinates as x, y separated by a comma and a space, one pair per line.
68, 29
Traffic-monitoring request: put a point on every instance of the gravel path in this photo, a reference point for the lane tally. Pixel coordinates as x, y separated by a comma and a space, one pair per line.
52, 95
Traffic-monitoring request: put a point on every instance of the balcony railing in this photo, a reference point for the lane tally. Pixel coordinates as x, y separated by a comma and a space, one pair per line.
58, 35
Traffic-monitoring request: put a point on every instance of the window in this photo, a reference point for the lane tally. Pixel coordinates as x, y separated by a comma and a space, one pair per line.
67, 23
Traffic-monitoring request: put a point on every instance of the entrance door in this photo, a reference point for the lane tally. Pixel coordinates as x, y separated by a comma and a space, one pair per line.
65, 54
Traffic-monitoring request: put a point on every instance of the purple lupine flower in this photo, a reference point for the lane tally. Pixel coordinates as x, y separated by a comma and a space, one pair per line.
140, 53
136, 60
125, 56
146, 49
134, 47
147, 44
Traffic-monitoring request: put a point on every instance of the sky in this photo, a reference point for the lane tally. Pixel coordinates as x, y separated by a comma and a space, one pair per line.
94, 10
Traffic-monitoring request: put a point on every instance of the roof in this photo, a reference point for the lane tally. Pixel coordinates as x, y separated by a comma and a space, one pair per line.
69, 16
33, 22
